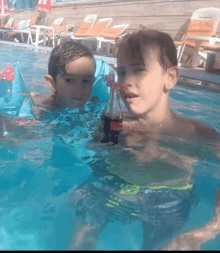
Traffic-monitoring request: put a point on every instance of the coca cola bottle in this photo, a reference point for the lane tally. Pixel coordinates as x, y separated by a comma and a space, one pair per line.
111, 118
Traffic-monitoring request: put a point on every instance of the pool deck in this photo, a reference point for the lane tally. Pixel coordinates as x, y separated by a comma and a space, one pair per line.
109, 60
185, 73
199, 74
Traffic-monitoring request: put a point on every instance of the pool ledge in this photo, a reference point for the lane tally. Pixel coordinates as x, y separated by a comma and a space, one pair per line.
196, 74
199, 74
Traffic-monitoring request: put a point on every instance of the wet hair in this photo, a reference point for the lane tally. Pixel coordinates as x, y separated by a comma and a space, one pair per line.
65, 53
135, 43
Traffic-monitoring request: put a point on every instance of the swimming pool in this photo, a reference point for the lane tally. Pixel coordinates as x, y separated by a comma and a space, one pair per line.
41, 165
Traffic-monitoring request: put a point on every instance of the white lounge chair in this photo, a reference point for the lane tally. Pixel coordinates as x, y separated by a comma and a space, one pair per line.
23, 27
48, 31
109, 35
99, 27
85, 27
7, 28
202, 27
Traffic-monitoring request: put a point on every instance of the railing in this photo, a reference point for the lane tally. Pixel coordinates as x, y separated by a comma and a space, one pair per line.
18, 5
66, 2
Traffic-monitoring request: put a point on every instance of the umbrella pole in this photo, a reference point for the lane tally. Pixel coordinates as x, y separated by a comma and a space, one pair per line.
2, 11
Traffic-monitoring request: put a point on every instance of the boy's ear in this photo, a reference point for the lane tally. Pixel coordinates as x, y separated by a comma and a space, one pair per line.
172, 78
50, 82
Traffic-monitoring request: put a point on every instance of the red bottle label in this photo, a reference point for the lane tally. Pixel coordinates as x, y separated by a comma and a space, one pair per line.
115, 126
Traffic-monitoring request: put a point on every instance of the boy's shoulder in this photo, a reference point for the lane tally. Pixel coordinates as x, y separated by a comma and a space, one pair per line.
206, 132
198, 128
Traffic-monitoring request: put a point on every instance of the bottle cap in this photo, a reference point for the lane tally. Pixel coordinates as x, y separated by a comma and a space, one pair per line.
117, 85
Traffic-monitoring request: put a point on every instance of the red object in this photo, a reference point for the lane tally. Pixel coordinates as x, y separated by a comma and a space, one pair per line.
44, 6
115, 126
5, 6
117, 85
95, 99
8, 74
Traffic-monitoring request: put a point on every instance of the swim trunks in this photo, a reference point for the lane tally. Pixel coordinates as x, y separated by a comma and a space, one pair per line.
108, 198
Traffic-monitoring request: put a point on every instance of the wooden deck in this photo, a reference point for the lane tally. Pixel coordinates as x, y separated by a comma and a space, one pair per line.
168, 16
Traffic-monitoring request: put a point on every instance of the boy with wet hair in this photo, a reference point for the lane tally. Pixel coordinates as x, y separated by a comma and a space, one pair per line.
146, 95
156, 184
70, 77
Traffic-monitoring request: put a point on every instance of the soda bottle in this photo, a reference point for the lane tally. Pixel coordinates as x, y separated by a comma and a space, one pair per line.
111, 118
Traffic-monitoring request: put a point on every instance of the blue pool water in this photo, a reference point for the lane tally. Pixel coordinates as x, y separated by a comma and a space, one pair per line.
41, 165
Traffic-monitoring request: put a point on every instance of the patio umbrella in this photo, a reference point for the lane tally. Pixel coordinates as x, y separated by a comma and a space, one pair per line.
44, 7
3, 7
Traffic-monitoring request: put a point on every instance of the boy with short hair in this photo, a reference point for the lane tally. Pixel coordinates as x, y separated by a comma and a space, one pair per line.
158, 186
73, 77
70, 77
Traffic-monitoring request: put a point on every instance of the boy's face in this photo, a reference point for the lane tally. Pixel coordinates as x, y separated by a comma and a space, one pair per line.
144, 85
74, 88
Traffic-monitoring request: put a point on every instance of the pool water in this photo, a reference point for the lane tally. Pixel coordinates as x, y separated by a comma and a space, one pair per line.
43, 163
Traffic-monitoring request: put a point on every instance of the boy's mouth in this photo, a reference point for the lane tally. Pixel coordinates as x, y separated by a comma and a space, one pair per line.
130, 96
77, 98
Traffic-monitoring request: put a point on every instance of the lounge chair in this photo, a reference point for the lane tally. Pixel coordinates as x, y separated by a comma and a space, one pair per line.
49, 31
65, 31
202, 27
109, 36
4, 19
61, 32
99, 27
85, 27
57, 25
7, 28
9, 32
23, 27
8, 24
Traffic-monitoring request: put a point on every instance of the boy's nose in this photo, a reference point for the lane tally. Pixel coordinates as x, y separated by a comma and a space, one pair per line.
129, 80
77, 92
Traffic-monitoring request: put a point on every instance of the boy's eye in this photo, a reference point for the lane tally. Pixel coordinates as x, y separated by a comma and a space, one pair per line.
139, 69
121, 73
88, 81
69, 80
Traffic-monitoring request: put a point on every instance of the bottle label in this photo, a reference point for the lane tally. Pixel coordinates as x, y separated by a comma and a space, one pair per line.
115, 126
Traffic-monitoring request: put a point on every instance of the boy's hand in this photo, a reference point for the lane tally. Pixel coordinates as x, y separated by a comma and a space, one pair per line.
193, 240
23, 121
109, 79
39, 112
184, 242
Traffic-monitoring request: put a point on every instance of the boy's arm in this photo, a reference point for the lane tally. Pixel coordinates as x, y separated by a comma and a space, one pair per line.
194, 239
210, 137
84, 237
